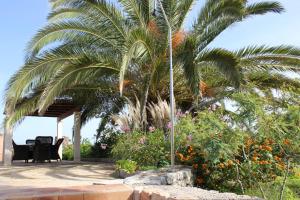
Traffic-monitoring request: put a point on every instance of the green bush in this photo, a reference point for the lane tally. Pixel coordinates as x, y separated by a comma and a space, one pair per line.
143, 148
102, 148
85, 150
68, 153
128, 166
272, 189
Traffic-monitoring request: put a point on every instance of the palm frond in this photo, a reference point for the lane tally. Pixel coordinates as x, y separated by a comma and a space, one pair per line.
187, 57
62, 31
182, 10
138, 11
72, 75
224, 60
261, 8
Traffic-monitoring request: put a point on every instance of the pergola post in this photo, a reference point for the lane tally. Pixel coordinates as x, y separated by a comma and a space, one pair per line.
7, 144
59, 134
77, 137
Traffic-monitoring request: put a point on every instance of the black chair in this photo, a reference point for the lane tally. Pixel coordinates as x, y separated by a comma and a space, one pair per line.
55, 148
21, 152
41, 151
42, 148
44, 139
30, 142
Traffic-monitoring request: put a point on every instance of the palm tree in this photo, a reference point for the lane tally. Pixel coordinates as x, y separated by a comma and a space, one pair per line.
89, 47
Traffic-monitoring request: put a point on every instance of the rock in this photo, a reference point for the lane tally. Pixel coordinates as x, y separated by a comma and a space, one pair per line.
166, 184
122, 174
180, 176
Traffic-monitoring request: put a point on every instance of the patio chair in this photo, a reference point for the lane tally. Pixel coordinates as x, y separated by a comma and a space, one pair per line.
21, 152
42, 151
44, 139
55, 148
30, 142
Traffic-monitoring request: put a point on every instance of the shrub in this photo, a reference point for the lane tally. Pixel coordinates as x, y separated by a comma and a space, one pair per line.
102, 148
224, 157
85, 150
143, 148
128, 166
68, 153
207, 144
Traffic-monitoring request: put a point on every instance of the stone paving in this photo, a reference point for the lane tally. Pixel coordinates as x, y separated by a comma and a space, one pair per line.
54, 174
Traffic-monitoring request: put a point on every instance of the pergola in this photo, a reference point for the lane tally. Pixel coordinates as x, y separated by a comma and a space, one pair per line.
60, 109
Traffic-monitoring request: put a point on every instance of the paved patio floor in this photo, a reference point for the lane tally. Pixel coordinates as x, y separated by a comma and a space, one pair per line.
63, 174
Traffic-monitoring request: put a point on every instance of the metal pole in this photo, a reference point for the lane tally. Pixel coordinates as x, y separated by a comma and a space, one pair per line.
171, 86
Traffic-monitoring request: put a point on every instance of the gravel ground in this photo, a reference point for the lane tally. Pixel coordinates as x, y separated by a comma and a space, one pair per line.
192, 193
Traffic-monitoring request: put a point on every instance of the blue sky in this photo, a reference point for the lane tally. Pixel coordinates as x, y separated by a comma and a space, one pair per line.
21, 19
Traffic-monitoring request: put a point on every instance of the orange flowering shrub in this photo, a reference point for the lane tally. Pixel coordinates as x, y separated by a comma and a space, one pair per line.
225, 159
265, 158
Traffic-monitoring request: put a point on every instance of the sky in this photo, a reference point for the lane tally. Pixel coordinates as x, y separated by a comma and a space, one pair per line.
20, 20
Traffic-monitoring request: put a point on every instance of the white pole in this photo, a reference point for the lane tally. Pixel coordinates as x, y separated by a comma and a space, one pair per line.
77, 136
7, 144
59, 134
171, 86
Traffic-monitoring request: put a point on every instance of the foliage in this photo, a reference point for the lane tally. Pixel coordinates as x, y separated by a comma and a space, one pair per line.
237, 150
145, 149
128, 166
85, 150
129, 120
92, 51
146, 168
271, 189
104, 144
68, 152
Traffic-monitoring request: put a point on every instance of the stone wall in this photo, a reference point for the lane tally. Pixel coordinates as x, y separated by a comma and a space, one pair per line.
179, 176
1, 146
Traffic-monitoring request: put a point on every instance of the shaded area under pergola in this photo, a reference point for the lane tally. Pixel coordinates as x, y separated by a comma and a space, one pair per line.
60, 110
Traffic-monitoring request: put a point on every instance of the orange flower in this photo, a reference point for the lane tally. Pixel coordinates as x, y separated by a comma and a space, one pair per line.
187, 158
195, 166
249, 142
277, 158
204, 166
230, 162
286, 142
221, 165
263, 162
254, 158
199, 181
190, 149
271, 141
281, 166
267, 148
181, 157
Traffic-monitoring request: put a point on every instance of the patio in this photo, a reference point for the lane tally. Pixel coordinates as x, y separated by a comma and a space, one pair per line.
47, 175
60, 109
